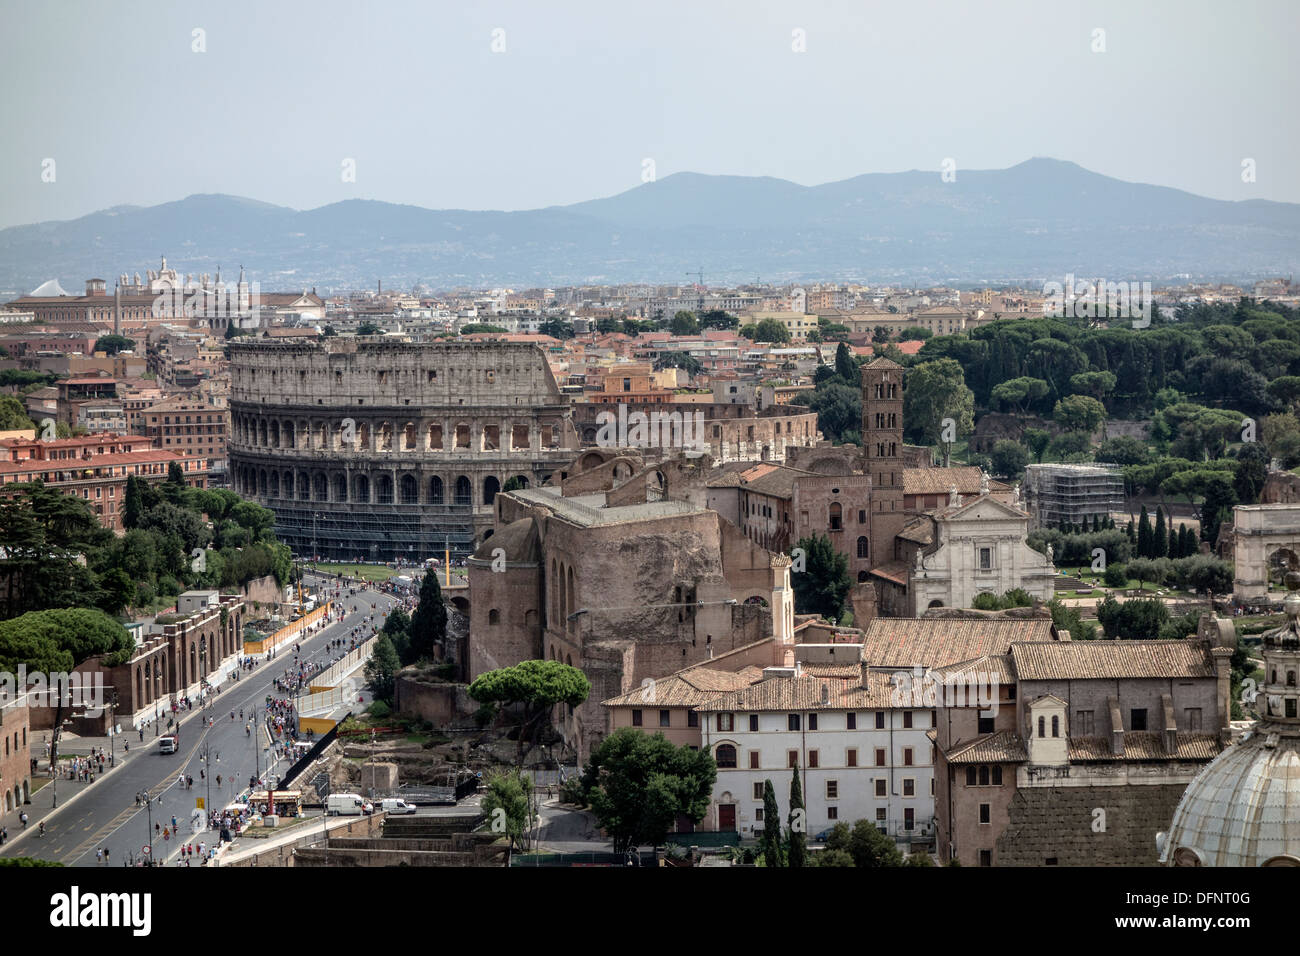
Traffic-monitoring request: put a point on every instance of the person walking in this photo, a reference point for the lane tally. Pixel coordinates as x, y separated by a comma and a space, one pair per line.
22, 817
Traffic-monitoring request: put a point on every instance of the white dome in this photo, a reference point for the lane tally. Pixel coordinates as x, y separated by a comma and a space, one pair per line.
1243, 808
48, 289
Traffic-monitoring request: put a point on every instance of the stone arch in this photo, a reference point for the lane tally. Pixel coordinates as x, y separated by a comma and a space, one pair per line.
408, 437
460, 604
340, 491
464, 491
385, 436
320, 490
433, 437
361, 489
756, 600
494, 616
275, 484
864, 549
435, 490
409, 490
384, 489
304, 486
935, 603
522, 480
490, 488
363, 436
275, 433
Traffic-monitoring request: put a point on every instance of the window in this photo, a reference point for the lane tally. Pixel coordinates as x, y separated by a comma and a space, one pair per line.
907, 756
812, 721
692, 719
880, 787
753, 723
791, 758
880, 756
832, 789
986, 857
984, 776
907, 718
636, 718
852, 718
881, 813
1192, 718
836, 522
1042, 726
997, 775
862, 547
758, 791
758, 814
909, 818
753, 760
985, 813
792, 722
726, 722
970, 776
1056, 725
1137, 718
1083, 722
985, 725
880, 720
862, 516
909, 787
832, 813
725, 756
986, 559
812, 758
851, 757
665, 718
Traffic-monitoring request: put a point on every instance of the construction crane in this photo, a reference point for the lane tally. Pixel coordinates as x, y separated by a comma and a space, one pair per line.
700, 274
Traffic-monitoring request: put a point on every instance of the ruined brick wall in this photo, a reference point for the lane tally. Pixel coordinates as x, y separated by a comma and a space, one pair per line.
1057, 823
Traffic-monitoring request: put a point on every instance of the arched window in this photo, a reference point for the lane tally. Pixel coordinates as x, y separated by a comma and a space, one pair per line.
1042, 726
725, 756
490, 488
862, 547
463, 492
837, 520
494, 616
408, 490
435, 490
384, 490
1056, 726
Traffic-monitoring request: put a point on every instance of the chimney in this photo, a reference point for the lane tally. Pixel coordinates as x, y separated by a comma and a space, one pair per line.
1116, 727
1171, 728
1223, 689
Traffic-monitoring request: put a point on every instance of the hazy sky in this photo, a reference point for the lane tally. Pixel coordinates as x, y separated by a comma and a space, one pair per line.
583, 93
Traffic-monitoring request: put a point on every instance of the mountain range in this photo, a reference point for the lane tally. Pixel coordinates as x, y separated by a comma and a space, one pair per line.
1037, 220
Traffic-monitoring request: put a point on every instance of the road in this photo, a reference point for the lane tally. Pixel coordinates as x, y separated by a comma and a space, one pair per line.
107, 814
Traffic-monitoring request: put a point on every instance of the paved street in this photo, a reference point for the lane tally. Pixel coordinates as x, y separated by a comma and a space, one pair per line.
106, 814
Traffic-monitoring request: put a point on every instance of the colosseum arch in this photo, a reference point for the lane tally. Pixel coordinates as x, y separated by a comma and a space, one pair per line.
462, 435
464, 492
290, 435
434, 438
304, 487
363, 436
320, 487
261, 433
491, 437
340, 487
521, 480
491, 486
361, 489
435, 490
384, 490
408, 437
386, 436
409, 490
275, 484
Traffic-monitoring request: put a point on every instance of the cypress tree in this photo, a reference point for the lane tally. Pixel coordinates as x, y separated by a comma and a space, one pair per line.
798, 823
1160, 546
771, 843
1128, 531
1144, 534
429, 622
134, 504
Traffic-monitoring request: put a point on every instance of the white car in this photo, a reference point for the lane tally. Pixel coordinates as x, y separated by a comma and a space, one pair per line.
396, 805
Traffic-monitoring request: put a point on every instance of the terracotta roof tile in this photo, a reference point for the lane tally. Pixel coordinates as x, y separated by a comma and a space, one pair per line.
806, 693
1111, 660
1003, 746
935, 642
1146, 745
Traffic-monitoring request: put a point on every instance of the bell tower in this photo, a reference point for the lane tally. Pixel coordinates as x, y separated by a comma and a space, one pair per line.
882, 448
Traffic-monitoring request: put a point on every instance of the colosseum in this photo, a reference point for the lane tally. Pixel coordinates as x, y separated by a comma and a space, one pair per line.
382, 450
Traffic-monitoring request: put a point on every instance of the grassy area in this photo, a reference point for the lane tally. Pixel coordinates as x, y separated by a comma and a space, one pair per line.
380, 572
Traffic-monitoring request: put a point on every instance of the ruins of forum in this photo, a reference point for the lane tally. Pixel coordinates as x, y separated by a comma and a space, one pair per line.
919, 688
684, 430
1080, 299
80, 689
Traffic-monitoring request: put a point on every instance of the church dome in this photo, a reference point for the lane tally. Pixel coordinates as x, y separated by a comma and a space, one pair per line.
1243, 809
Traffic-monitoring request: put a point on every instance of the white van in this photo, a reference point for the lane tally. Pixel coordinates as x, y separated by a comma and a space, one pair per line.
347, 805
396, 805
167, 744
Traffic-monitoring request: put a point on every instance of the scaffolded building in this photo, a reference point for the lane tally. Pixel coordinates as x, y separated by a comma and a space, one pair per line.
381, 449
1067, 494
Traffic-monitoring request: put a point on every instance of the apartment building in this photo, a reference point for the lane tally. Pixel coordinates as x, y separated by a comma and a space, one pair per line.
192, 428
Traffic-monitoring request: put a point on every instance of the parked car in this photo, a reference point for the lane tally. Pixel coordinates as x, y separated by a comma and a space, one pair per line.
396, 805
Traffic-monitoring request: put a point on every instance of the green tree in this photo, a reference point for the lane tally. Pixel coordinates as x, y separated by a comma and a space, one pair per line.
507, 807
1160, 542
13, 415
381, 670
770, 842
867, 845
771, 331
1020, 393
557, 328
684, 323
1037, 440
935, 391
1116, 576
1079, 413
535, 687
369, 328
112, 344
637, 785
797, 821
429, 622
1217, 506
823, 585
1144, 545
397, 628
1009, 458
845, 367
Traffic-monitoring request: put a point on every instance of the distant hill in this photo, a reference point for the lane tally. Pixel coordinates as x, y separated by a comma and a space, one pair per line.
1039, 219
